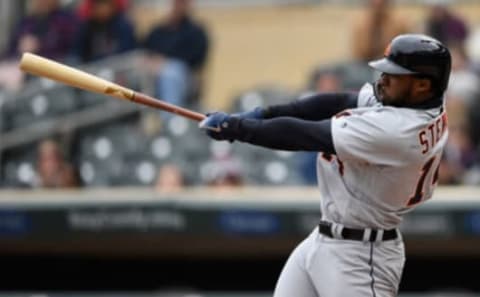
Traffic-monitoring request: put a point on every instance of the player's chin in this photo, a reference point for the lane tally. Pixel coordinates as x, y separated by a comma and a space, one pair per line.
384, 97
381, 96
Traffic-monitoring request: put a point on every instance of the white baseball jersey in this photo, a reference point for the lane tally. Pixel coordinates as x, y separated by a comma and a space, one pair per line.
386, 163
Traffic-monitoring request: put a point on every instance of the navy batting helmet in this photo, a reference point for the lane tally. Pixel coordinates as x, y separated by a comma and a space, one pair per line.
417, 54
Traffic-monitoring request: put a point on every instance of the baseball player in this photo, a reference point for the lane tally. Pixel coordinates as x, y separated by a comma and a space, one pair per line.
379, 152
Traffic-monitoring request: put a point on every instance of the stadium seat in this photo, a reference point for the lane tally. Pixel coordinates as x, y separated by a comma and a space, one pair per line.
26, 109
268, 167
19, 167
261, 96
86, 99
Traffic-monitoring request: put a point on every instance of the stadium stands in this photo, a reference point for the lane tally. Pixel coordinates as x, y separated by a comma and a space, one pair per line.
114, 143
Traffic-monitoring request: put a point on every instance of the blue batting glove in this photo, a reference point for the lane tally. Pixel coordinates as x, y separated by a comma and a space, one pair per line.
220, 126
255, 114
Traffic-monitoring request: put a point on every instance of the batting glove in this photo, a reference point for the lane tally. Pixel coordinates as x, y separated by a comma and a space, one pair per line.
221, 126
256, 114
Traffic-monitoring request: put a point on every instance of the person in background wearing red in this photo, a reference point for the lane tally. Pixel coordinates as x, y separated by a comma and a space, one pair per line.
104, 31
48, 31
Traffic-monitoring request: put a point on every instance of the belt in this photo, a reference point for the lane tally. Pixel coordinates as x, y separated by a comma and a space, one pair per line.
328, 229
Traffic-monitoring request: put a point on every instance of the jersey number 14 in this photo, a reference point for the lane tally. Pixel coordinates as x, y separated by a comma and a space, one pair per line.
419, 189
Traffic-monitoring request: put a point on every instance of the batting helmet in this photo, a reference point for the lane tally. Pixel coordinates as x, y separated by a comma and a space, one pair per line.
418, 55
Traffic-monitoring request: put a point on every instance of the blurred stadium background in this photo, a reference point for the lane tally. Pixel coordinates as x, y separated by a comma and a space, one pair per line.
157, 209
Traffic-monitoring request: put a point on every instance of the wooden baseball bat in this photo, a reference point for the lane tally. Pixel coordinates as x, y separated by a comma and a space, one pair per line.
40, 66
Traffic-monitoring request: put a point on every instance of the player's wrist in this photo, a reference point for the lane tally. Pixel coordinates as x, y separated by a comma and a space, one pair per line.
231, 128
222, 126
255, 114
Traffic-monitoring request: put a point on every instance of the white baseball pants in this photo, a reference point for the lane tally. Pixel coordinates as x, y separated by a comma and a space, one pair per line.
321, 266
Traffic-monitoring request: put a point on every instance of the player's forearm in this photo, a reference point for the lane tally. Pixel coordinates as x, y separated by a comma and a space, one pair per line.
287, 134
317, 107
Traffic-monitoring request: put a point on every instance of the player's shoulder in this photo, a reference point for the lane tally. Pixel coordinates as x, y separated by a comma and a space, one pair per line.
373, 134
385, 124
389, 118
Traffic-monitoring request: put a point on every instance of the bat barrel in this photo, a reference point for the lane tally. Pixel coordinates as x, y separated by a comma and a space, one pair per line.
40, 66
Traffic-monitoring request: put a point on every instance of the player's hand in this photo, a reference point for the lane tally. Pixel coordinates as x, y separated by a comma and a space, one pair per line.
220, 126
255, 114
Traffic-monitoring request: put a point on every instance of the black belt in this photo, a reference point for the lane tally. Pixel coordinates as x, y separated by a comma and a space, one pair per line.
356, 234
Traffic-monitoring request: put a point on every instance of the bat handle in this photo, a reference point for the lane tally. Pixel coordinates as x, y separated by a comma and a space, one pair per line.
150, 101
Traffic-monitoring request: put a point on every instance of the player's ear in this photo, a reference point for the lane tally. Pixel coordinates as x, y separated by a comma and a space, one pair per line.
423, 85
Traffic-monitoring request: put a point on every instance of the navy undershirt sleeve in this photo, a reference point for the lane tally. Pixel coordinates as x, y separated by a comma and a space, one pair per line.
286, 133
314, 108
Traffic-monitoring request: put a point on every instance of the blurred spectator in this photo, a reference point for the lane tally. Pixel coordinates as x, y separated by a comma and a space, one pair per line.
459, 155
105, 30
374, 30
179, 48
170, 179
445, 26
223, 172
464, 82
326, 80
47, 30
308, 169
473, 48
52, 168
473, 114
463, 98
11, 78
